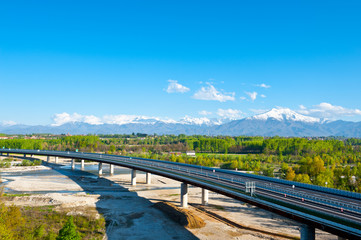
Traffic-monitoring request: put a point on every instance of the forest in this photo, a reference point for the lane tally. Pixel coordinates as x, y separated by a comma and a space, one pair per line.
329, 162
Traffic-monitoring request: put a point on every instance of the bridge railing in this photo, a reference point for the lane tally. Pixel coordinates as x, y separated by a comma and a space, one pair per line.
269, 179
263, 178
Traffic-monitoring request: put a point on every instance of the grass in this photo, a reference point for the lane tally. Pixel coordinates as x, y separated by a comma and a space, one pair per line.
30, 163
5, 163
52, 221
16, 195
173, 195
218, 207
44, 222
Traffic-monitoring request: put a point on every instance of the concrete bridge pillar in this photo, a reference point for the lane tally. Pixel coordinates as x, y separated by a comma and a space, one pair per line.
307, 232
149, 178
134, 177
72, 164
24, 155
184, 195
111, 169
8, 154
82, 164
56, 159
100, 169
204, 196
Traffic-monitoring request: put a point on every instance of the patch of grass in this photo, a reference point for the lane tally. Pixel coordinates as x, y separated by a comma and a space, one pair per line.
8, 159
16, 195
44, 222
173, 195
218, 207
26, 163
89, 227
6, 162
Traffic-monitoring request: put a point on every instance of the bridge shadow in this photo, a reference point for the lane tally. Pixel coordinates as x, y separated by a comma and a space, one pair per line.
127, 215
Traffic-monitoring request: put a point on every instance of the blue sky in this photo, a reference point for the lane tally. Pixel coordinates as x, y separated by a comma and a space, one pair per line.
98, 60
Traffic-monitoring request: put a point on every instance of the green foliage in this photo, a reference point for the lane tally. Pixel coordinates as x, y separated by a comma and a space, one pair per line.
26, 162
43, 223
5, 163
268, 171
39, 232
11, 222
315, 161
68, 232
290, 174
303, 178
50, 236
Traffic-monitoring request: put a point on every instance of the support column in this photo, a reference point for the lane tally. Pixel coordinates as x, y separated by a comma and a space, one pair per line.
204, 197
82, 164
56, 159
24, 155
100, 169
184, 195
134, 177
72, 164
111, 169
149, 178
8, 154
307, 232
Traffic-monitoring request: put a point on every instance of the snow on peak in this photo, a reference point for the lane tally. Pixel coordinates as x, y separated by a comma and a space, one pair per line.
63, 118
282, 114
202, 121
196, 121
7, 123
128, 119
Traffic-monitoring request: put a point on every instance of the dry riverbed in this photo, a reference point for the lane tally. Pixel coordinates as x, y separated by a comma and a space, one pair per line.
129, 210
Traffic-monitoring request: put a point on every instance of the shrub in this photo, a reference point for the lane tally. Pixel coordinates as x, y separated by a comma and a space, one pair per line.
68, 232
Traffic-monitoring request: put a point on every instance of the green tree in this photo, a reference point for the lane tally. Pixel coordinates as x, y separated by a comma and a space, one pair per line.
303, 178
10, 222
39, 232
112, 148
284, 167
68, 232
290, 175
268, 171
325, 178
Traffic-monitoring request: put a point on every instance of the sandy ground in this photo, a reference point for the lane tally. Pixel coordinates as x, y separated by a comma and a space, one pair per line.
129, 209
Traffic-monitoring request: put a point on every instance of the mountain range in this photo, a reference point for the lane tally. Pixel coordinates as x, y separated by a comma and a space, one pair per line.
278, 121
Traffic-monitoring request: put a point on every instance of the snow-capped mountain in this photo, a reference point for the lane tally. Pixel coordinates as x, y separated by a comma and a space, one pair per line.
202, 121
285, 114
278, 121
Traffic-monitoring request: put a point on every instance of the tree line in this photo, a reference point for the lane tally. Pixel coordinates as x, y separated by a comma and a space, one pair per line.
326, 162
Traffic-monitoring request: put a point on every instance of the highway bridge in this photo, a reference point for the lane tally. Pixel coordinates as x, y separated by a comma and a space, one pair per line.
334, 211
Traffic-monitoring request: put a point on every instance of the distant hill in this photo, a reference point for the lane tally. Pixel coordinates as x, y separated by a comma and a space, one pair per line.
280, 122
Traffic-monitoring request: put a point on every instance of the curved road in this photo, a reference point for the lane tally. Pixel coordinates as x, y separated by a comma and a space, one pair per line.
335, 211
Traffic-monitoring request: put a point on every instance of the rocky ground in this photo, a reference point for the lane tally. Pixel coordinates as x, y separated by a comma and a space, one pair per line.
129, 209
